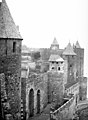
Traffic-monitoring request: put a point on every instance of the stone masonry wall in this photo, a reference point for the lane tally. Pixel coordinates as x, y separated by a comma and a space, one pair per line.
65, 112
10, 65
79, 61
3, 96
23, 95
37, 82
55, 86
83, 88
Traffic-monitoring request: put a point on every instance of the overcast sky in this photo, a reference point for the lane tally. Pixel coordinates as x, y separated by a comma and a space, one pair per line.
42, 20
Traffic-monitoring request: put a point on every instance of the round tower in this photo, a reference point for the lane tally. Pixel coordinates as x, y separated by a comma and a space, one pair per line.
10, 58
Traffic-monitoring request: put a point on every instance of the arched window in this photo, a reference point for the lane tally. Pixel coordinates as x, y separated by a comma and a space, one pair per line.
31, 102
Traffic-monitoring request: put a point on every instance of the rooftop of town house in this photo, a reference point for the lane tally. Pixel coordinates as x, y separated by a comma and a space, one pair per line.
8, 29
56, 58
69, 50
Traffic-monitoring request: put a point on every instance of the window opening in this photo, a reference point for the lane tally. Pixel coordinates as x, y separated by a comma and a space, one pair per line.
52, 68
14, 46
70, 65
58, 68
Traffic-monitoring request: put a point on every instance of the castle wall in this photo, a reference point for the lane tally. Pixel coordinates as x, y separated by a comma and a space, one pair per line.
23, 95
56, 87
10, 65
69, 69
83, 88
65, 112
79, 61
37, 82
2, 47
2, 92
65, 71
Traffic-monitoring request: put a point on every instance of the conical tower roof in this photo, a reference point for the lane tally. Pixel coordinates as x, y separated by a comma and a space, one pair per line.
77, 45
8, 29
56, 58
69, 50
55, 42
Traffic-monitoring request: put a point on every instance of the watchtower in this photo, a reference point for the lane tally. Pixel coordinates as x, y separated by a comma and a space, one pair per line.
10, 57
69, 55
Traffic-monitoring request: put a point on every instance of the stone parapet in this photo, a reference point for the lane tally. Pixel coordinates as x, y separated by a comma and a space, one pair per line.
66, 111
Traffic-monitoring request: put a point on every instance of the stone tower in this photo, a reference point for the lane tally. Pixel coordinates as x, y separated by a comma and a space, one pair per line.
54, 45
80, 68
55, 74
56, 63
69, 55
10, 58
79, 59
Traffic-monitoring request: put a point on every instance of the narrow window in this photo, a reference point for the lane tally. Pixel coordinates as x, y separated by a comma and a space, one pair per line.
52, 62
14, 47
58, 68
71, 65
52, 68
56, 62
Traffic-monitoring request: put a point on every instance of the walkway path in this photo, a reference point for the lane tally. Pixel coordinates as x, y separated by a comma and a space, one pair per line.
44, 115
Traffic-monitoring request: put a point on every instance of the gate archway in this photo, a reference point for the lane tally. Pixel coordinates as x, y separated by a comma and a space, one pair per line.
38, 101
31, 102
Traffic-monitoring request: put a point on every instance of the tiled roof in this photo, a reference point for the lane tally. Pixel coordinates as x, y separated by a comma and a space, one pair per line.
57, 58
69, 50
55, 42
77, 45
8, 29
